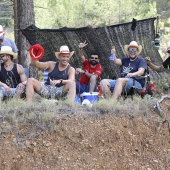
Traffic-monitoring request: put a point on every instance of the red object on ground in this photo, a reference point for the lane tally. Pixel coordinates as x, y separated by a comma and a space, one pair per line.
151, 86
100, 91
36, 52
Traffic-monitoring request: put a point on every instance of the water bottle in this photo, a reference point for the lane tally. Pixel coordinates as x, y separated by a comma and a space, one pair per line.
1, 95
112, 58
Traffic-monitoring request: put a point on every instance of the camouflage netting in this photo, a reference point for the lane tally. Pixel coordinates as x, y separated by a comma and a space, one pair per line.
100, 40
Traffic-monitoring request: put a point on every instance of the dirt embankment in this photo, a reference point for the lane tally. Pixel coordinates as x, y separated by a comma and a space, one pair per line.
93, 142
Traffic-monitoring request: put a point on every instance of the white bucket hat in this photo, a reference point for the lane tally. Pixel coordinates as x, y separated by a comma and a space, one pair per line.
133, 44
64, 50
2, 32
8, 50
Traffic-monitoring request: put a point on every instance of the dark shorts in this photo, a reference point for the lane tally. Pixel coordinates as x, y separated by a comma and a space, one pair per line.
80, 88
48, 91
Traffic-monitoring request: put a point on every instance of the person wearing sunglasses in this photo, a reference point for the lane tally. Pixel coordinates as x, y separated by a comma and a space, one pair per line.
5, 41
90, 73
12, 76
132, 72
163, 66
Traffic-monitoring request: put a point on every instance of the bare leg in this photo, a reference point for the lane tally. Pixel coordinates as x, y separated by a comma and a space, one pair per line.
32, 86
19, 92
92, 83
120, 84
105, 86
70, 87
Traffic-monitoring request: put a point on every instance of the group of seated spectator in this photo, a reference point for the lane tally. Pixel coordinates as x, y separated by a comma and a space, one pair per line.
61, 80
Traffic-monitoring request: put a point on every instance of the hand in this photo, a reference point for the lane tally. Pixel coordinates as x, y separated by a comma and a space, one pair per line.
148, 60
129, 75
79, 70
54, 82
21, 86
82, 45
113, 51
7, 89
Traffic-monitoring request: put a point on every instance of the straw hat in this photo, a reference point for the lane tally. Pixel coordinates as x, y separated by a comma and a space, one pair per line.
168, 48
8, 50
64, 50
2, 32
133, 44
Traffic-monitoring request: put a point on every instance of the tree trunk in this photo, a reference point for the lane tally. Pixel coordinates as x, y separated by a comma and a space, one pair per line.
23, 17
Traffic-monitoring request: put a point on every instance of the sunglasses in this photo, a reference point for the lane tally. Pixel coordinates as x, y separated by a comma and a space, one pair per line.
94, 58
1, 56
132, 50
168, 51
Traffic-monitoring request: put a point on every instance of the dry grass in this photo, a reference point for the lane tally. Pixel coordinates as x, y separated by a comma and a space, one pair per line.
44, 114
127, 134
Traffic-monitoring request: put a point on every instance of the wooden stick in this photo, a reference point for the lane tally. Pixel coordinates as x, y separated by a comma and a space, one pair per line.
158, 104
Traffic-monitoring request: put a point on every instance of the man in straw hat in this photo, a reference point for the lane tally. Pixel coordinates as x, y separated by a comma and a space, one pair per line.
12, 76
61, 77
91, 71
165, 64
4, 41
133, 70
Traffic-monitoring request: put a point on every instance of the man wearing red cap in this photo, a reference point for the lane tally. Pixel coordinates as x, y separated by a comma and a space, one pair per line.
165, 64
4, 41
61, 76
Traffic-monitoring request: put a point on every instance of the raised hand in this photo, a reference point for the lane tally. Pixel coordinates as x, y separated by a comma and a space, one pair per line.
148, 60
113, 50
82, 45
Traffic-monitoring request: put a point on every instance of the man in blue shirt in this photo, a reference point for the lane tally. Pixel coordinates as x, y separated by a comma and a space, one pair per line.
4, 41
132, 72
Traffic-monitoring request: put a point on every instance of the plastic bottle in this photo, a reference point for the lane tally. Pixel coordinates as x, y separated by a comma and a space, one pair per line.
1, 95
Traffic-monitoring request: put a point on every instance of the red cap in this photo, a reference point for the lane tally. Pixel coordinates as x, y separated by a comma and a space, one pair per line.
36, 52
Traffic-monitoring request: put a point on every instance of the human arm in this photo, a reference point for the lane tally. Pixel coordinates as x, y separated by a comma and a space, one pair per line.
81, 54
22, 75
89, 70
113, 57
7, 88
42, 65
138, 68
80, 70
140, 72
97, 71
153, 66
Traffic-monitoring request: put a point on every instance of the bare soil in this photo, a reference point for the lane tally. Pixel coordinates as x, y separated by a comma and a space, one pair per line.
102, 142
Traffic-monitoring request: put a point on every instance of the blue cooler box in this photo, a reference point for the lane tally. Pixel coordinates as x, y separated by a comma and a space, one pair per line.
92, 97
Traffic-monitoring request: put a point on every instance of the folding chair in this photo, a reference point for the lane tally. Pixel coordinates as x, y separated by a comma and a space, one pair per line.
147, 89
45, 75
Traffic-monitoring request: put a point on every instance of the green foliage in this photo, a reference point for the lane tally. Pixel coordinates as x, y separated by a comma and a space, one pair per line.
81, 13
162, 85
6, 14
